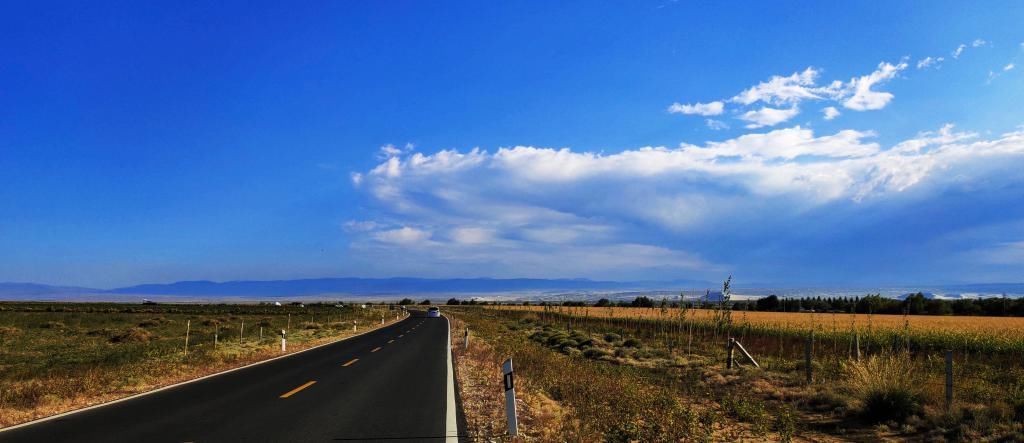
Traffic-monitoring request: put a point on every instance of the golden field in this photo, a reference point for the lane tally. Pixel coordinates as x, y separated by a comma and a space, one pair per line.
1004, 328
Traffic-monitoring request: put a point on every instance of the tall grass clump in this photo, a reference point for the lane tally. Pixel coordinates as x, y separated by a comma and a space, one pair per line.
886, 386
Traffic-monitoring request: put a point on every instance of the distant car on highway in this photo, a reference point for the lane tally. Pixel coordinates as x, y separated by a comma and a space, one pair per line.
433, 311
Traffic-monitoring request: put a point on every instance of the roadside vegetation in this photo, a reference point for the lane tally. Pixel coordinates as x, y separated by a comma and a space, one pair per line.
56, 357
873, 379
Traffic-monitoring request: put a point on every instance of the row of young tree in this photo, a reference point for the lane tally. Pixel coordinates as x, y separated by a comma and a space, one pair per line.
914, 304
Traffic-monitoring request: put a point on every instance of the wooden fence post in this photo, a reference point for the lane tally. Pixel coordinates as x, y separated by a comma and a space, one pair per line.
949, 380
808, 350
241, 331
729, 358
856, 345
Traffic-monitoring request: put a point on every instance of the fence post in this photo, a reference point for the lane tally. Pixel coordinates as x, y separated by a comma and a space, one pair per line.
284, 341
510, 399
465, 342
241, 331
808, 350
215, 329
729, 355
353, 326
188, 325
949, 380
261, 334
856, 345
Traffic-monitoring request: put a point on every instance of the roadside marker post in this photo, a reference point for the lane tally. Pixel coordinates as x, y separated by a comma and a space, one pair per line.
188, 325
284, 341
465, 346
510, 398
241, 330
353, 326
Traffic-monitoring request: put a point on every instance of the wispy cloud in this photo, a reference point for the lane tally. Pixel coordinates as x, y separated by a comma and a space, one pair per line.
864, 98
705, 109
830, 113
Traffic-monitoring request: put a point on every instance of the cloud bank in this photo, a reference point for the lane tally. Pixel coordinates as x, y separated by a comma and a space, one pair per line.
687, 210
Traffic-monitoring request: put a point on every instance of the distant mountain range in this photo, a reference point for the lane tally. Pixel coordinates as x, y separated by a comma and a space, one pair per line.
348, 286
513, 288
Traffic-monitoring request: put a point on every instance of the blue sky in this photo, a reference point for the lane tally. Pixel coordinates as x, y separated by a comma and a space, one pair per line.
614, 140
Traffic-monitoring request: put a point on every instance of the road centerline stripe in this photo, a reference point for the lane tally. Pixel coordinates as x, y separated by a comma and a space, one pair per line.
391, 341
293, 391
351, 361
376, 349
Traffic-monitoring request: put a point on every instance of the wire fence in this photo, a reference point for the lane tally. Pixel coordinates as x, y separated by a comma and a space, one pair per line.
981, 370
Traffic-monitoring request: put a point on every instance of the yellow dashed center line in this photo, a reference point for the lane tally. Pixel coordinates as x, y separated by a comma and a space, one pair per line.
376, 349
293, 391
351, 361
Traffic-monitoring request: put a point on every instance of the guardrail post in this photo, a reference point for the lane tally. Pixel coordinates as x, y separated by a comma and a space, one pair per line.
510, 399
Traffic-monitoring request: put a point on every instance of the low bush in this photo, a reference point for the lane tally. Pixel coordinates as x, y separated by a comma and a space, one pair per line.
132, 335
886, 388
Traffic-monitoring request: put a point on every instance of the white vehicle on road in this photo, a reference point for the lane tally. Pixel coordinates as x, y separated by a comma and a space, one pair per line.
433, 311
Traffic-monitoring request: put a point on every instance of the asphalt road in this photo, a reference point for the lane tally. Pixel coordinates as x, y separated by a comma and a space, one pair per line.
389, 384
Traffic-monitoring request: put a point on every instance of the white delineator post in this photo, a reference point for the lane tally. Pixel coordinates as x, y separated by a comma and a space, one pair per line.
284, 341
510, 399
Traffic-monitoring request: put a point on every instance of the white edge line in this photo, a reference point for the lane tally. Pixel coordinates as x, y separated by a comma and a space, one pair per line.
451, 425
142, 394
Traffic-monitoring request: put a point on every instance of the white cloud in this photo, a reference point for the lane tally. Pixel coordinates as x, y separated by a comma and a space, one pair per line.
768, 116
360, 226
1008, 67
978, 43
716, 125
405, 236
959, 50
472, 235
864, 98
560, 212
705, 109
357, 178
930, 62
781, 90
830, 112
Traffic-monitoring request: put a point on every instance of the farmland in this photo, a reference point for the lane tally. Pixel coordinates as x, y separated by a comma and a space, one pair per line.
974, 333
56, 357
869, 378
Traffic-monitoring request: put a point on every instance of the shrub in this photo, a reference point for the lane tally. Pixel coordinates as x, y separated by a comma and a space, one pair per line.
595, 353
52, 325
884, 385
149, 323
1017, 402
631, 343
132, 335
612, 337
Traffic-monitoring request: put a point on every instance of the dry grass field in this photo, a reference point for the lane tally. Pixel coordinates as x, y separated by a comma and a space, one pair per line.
56, 357
893, 390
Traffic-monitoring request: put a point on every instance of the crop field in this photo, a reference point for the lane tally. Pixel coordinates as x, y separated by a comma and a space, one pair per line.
56, 357
820, 387
971, 333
